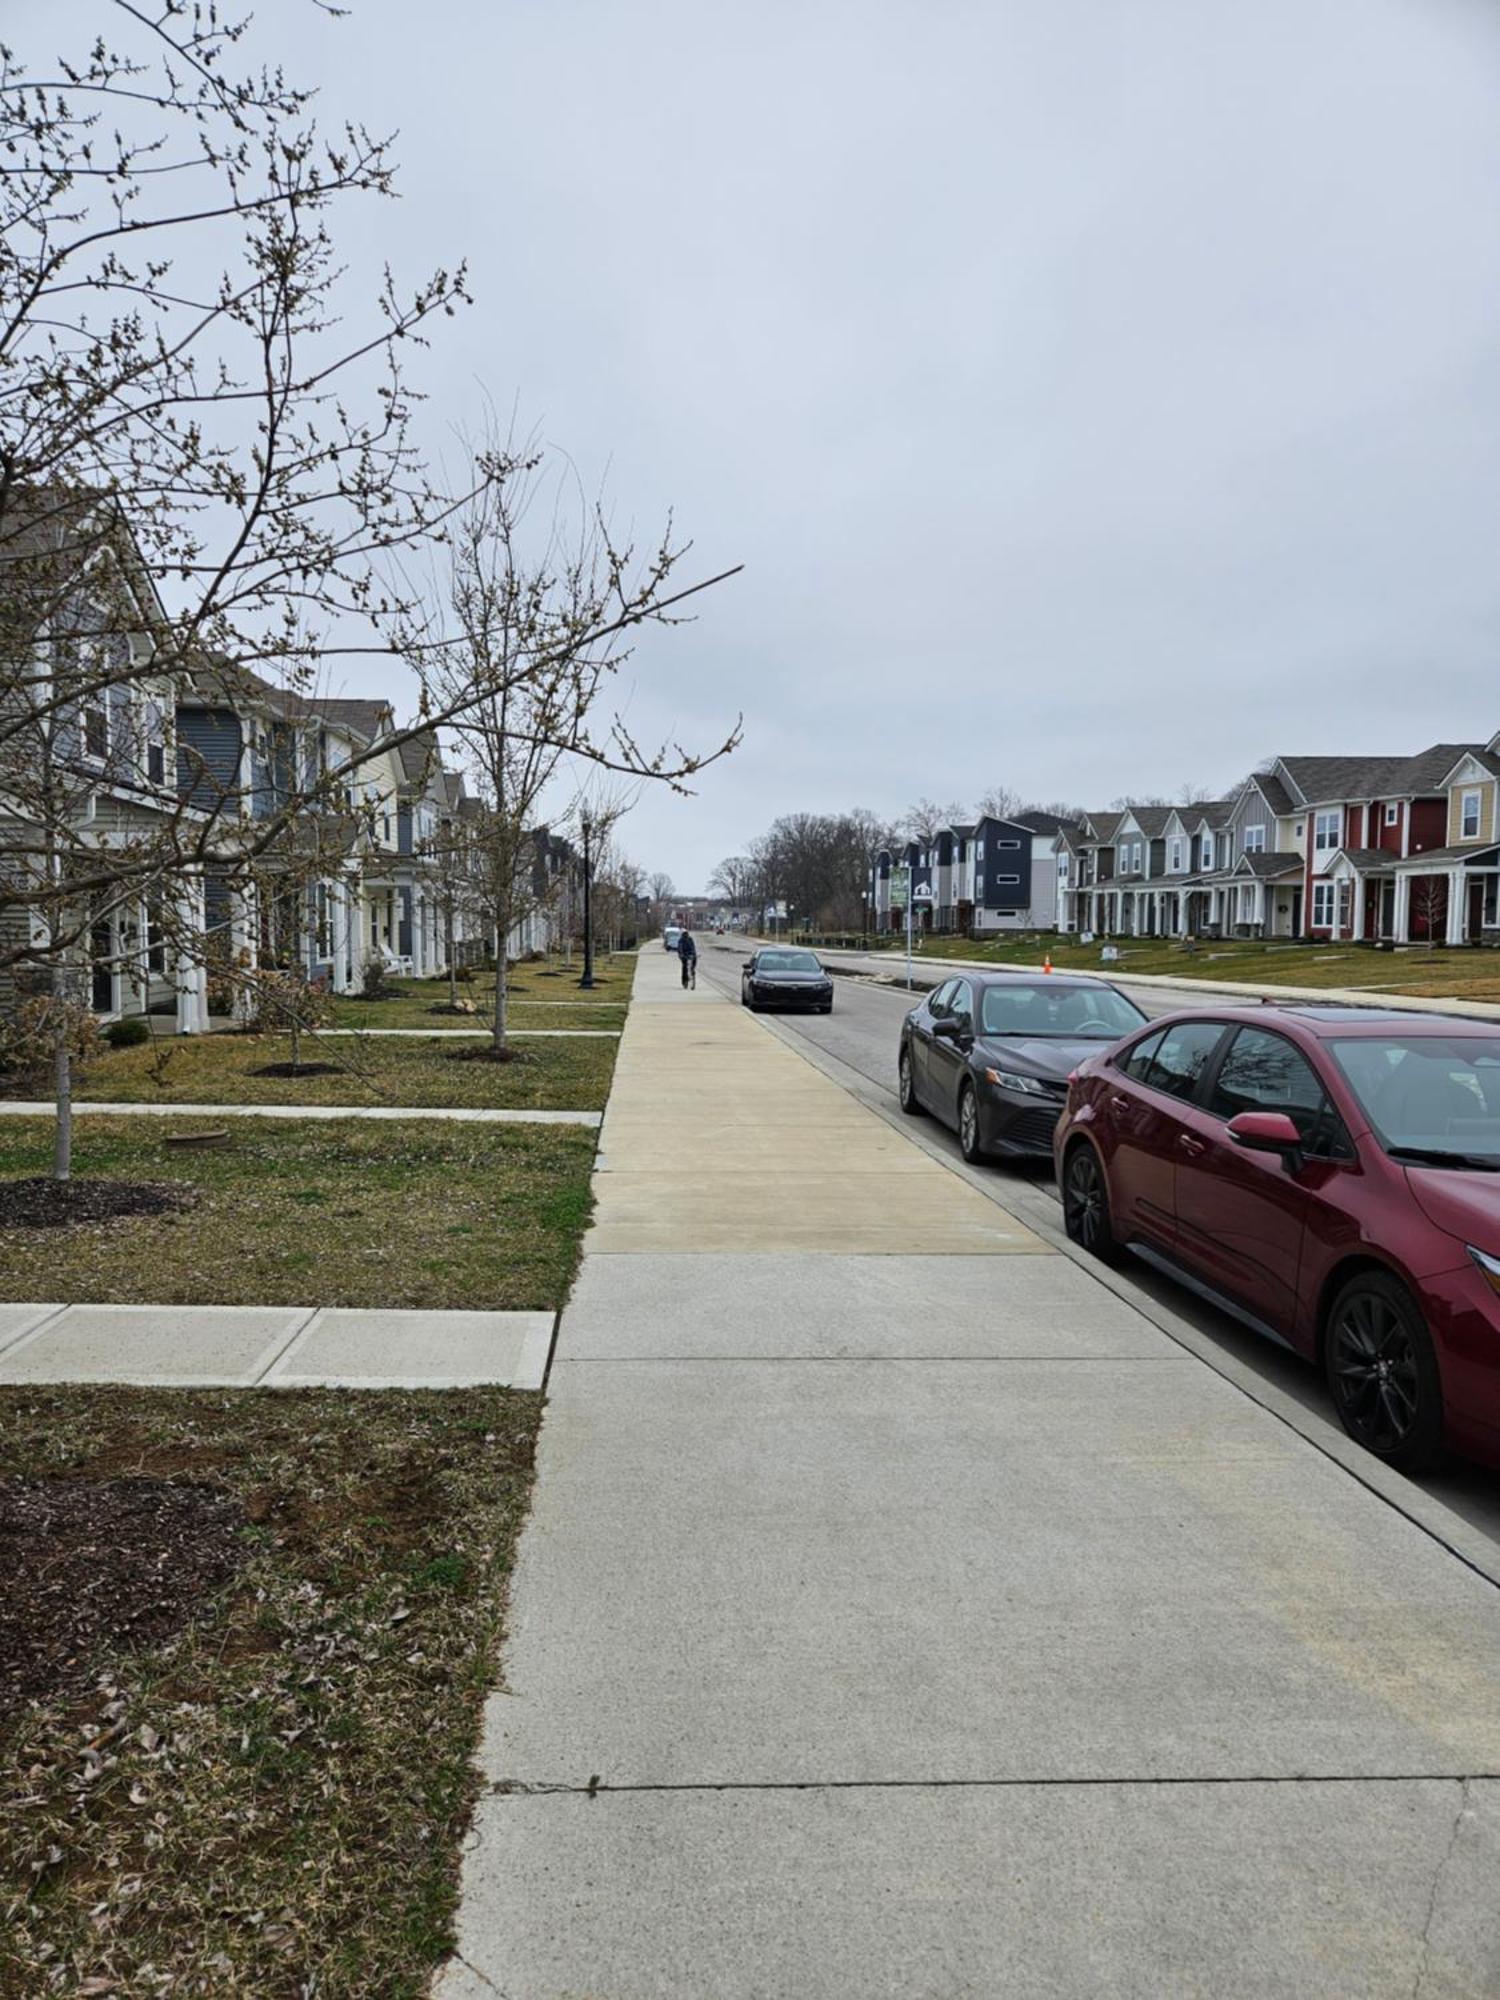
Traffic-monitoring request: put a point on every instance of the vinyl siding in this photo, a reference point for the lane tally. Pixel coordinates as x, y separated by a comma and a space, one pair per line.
1486, 790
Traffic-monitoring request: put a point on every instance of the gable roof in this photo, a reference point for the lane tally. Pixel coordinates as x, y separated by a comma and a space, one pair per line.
1105, 825
369, 719
1272, 791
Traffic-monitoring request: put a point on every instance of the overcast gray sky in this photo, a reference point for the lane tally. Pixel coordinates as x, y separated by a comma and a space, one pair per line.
1100, 395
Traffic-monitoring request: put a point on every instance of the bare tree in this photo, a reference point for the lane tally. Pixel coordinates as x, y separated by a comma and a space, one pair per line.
734, 878
536, 601
925, 819
999, 802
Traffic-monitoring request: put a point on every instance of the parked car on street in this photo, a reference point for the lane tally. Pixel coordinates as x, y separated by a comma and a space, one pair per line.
670, 936
990, 1053
784, 977
1329, 1175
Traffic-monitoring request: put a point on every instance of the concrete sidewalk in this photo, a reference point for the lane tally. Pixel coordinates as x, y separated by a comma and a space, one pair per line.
273, 1347
903, 1614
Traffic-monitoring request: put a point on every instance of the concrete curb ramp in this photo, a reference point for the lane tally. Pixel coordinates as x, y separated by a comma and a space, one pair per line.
901, 1613
274, 1347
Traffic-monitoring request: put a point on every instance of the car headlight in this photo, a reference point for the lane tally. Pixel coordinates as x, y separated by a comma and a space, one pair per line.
1012, 1079
1489, 1267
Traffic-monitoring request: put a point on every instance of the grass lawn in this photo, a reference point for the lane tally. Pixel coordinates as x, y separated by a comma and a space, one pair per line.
219, 1069
269, 1799
548, 996
1439, 973
335, 1213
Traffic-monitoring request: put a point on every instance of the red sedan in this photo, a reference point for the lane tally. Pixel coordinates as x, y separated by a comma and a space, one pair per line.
1331, 1176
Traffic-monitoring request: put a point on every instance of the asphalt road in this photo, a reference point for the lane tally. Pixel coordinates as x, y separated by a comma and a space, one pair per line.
863, 1033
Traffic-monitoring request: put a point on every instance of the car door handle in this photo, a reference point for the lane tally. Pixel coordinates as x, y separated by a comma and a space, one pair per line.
1191, 1146
1119, 1104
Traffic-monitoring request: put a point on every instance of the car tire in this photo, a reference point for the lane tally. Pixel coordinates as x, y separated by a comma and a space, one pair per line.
907, 1088
969, 1142
1382, 1372
1085, 1200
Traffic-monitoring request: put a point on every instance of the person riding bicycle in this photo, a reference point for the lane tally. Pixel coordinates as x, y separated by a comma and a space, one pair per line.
687, 952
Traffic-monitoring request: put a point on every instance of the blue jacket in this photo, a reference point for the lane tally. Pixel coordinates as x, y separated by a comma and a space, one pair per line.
686, 947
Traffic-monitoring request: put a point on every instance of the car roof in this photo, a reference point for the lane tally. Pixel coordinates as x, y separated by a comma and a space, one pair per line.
1329, 1018
1029, 978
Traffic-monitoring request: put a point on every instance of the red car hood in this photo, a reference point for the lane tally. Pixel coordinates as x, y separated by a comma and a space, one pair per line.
1467, 1205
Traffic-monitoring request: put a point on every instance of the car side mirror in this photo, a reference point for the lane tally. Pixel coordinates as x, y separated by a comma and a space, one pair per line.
1266, 1132
945, 1029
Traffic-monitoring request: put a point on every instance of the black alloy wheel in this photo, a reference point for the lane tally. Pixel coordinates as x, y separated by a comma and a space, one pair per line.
1085, 1198
908, 1088
968, 1126
1382, 1372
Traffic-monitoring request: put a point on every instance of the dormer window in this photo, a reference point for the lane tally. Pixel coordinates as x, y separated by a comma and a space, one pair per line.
96, 730
1393, 815
1468, 815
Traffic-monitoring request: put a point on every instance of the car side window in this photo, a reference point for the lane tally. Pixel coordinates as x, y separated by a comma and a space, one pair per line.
1179, 1063
961, 1005
937, 1003
1265, 1072
1136, 1062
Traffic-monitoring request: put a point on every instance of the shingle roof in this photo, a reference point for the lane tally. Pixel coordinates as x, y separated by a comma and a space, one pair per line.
1267, 866
1042, 822
1274, 793
369, 718
1320, 780
1151, 820
1105, 825
1367, 858
420, 757
1470, 851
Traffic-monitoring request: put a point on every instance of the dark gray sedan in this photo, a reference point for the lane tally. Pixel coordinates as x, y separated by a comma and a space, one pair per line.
781, 976
989, 1053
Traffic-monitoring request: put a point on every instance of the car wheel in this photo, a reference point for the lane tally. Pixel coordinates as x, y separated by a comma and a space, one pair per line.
1085, 1198
908, 1090
1382, 1372
968, 1126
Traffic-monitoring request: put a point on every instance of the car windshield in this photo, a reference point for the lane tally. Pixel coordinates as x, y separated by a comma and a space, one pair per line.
1433, 1097
1066, 1013
787, 961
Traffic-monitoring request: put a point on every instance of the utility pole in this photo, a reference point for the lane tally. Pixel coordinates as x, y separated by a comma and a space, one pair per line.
588, 909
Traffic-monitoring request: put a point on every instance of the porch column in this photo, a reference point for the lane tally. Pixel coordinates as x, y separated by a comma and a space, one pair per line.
190, 973
1357, 911
1458, 906
1401, 915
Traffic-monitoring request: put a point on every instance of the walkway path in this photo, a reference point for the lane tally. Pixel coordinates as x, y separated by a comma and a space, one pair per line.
275, 1347
902, 1613
45, 1108
530, 1034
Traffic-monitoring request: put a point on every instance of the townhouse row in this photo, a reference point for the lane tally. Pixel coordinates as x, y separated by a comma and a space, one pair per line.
1398, 850
380, 867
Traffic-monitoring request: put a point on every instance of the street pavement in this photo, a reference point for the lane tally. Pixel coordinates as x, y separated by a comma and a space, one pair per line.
903, 1611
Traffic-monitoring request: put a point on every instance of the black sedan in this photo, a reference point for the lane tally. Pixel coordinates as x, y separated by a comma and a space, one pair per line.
989, 1054
780, 977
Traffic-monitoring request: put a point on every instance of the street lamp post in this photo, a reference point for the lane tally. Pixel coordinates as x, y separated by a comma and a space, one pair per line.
588, 908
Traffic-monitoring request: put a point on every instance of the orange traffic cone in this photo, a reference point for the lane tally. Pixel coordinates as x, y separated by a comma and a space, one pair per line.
1046, 961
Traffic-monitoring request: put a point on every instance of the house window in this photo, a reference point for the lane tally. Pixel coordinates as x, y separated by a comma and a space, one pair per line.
1255, 840
1208, 850
1468, 816
1322, 905
96, 730
156, 763
1326, 832
1393, 815
1007, 843
1174, 861
1007, 880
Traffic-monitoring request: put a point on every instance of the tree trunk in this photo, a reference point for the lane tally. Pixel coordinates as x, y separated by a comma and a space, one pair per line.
448, 947
62, 1073
502, 993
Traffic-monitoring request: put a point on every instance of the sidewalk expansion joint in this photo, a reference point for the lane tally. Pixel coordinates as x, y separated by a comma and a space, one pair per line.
596, 1788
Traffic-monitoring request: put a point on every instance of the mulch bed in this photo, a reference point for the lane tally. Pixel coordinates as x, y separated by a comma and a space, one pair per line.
94, 1566
487, 1054
296, 1069
40, 1203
